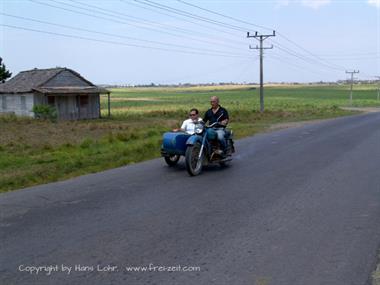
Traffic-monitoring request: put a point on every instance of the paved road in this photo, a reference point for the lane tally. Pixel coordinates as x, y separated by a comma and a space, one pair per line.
297, 206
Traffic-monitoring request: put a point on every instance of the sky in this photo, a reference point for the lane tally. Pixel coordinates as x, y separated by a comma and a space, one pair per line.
130, 42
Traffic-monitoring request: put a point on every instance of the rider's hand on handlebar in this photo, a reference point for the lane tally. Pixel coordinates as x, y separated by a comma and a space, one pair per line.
224, 122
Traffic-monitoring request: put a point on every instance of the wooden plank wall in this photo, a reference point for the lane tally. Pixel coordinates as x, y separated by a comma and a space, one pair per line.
18, 104
67, 105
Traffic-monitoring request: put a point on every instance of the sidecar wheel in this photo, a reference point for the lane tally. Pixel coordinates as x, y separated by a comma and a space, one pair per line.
193, 164
224, 164
172, 160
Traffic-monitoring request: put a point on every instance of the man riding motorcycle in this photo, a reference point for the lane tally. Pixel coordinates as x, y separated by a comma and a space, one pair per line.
217, 114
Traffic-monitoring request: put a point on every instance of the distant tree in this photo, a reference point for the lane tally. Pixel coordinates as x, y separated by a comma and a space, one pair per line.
4, 73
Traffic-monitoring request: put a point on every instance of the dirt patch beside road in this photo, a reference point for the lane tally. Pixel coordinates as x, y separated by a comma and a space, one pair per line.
287, 125
362, 109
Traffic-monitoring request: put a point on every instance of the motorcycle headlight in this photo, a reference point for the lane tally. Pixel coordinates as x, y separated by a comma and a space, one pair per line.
198, 129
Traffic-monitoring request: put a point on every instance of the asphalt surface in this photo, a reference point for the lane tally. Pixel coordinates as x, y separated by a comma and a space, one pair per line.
297, 206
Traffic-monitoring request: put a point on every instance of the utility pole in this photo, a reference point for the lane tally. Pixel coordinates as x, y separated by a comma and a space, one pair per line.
378, 87
352, 82
261, 39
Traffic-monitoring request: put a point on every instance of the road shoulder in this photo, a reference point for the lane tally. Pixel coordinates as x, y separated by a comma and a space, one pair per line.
376, 273
286, 125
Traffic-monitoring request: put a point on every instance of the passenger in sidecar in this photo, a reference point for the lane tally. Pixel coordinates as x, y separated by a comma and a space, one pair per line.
174, 143
188, 126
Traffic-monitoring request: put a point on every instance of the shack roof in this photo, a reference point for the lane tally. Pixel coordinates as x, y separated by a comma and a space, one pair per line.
35, 79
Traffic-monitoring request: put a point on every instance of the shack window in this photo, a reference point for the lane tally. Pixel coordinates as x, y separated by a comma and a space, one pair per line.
23, 103
51, 100
4, 102
83, 101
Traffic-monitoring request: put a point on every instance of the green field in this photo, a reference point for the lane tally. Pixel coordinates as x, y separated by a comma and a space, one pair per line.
34, 151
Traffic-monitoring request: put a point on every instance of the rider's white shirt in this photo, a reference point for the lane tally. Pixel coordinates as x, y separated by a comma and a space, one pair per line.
189, 126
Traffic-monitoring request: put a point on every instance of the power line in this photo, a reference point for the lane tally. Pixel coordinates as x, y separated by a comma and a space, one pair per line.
117, 43
305, 50
349, 55
306, 59
135, 19
190, 15
182, 18
119, 22
255, 25
112, 35
355, 58
349, 59
224, 16
317, 60
259, 26
293, 53
246, 68
290, 63
311, 59
112, 15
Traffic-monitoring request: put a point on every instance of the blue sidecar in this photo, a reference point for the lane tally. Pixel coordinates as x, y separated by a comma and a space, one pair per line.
173, 146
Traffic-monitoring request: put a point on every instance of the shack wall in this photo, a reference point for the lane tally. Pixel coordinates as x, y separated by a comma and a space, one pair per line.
73, 108
18, 104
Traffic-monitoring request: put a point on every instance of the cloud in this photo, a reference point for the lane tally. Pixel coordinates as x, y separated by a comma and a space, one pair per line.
375, 3
315, 4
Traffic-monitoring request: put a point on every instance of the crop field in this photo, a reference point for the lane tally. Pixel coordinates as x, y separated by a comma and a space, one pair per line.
37, 151
289, 97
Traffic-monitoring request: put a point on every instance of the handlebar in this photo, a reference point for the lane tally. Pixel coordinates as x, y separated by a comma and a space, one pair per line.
217, 122
213, 124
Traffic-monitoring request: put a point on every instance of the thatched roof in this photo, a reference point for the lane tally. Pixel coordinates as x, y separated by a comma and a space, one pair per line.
35, 79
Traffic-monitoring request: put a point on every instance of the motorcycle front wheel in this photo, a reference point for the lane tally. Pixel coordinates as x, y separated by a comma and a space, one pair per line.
193, 162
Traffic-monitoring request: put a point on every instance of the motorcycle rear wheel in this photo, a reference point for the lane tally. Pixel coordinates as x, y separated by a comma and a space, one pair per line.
193, 163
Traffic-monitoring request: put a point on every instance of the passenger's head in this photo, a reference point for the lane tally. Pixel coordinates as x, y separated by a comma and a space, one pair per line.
194, 114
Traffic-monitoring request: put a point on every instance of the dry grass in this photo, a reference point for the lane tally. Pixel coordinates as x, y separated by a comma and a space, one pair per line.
34, 151
41, 134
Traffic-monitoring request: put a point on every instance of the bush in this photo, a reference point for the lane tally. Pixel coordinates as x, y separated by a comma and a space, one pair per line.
86, 143
45, 112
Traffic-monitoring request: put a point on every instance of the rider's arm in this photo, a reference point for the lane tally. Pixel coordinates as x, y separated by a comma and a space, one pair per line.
224, 122
226, 119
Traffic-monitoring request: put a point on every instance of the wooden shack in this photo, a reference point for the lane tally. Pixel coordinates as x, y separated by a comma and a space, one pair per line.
73, 96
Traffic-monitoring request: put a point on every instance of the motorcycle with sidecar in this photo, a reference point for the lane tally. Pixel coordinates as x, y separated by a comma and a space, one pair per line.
199, 149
